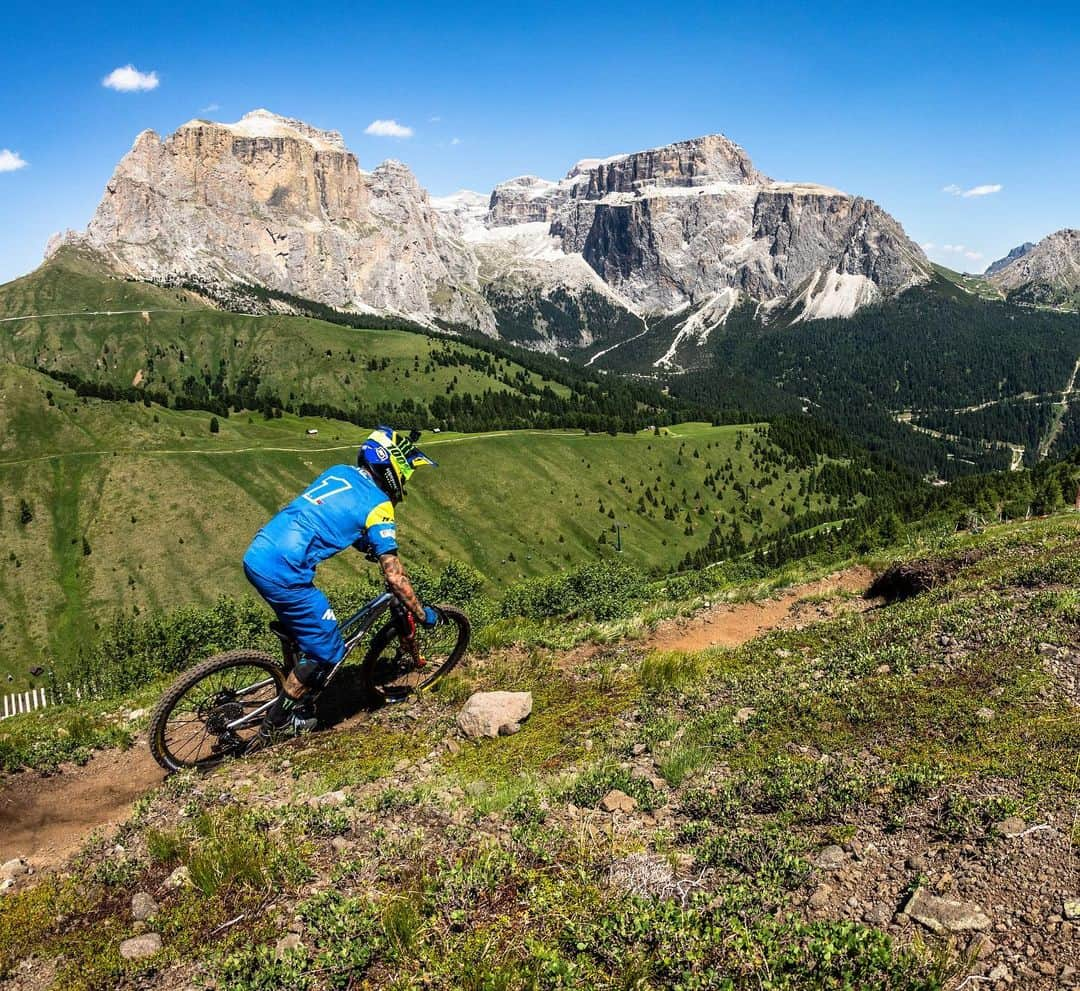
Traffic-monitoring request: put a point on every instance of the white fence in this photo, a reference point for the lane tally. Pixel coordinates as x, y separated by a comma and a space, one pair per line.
28, 701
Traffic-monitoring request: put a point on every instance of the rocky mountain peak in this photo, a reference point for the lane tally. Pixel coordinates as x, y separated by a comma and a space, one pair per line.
266, 124
1017, 252
1047, 273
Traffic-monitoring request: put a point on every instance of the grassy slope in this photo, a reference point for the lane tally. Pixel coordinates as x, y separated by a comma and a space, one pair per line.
174, 335
167, 508
488, 865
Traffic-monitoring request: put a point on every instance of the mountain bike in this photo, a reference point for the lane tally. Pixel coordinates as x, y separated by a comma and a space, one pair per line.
213, 710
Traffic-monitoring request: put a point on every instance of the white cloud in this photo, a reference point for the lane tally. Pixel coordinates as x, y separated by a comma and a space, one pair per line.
210, 108
128, 79
927, 246
455, 141
984, 190
434, 120
957, 249
11, 161
388, 129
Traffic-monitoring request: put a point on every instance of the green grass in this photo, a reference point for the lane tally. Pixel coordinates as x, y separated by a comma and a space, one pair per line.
165, 508
75, 326
488, 866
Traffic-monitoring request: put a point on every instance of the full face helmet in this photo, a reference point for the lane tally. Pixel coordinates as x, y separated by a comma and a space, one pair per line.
391, 458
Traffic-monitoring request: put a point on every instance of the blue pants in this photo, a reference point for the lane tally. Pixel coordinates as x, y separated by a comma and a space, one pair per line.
307, 615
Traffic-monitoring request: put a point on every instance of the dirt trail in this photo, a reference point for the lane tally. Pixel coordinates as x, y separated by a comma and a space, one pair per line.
46, 819
731, 625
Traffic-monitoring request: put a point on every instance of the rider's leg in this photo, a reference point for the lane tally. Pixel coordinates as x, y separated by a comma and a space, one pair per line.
307, 615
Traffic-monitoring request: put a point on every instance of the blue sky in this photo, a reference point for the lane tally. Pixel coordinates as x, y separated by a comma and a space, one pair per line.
892, 101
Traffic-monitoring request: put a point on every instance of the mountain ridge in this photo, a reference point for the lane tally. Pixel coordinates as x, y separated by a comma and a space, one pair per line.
276, 202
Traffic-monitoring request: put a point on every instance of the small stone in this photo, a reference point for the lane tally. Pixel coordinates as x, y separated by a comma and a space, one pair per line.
1010, 827
7, 884
617, 801
1071, 908
981, 947
831, 857
340, 844
494, 714
1068, 974
884, 669
453, 747
139, 947
1046, 968
143, 906
14, 868
820, 896
1048, 650
331, 799
744, 715
917, 863
984, 715
639, 749
944, 915
877, 915
136, 714
289, 943
180, 878
1000, 973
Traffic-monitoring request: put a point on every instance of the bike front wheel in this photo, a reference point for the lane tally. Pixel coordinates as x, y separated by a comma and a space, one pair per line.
213, 710
391, 670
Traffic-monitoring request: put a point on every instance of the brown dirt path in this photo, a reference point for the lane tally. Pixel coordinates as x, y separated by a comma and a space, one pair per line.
730, 625
44, 819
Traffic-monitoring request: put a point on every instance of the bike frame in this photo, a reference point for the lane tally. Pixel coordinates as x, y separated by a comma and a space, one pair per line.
353, 630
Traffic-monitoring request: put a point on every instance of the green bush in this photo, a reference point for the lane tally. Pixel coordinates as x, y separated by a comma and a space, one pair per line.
601, 590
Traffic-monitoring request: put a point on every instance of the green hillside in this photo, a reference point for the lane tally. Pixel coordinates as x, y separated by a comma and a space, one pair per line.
112, 338
142, 506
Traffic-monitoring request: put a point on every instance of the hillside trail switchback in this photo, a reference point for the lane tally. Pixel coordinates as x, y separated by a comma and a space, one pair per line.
46, 818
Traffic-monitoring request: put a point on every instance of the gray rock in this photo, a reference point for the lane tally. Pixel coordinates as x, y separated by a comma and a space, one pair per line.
139, 947
1071, 908
984, 715
618, 801
331, 799
16, 867
289, 943
944, 915
1011, 827
179, 878
143, 906
745, 714
819, 897
491, 714
1000, 973
831, 857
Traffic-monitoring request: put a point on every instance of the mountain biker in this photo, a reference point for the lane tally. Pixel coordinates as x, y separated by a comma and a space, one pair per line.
345, 506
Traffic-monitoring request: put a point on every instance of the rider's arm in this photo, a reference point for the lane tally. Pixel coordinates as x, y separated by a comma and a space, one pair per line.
394, 572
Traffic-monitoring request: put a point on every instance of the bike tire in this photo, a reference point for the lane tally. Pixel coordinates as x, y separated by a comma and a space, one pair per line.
158, 729
374, 669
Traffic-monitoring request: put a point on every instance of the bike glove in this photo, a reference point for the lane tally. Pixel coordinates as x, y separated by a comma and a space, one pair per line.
431, 617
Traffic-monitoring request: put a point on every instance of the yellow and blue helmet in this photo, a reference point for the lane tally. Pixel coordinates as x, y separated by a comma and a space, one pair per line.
391, 458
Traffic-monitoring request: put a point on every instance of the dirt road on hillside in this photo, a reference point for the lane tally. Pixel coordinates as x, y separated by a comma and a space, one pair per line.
732, 625
45, 819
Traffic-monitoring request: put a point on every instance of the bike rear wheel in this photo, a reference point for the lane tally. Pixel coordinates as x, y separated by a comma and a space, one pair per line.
390, 669
190, 726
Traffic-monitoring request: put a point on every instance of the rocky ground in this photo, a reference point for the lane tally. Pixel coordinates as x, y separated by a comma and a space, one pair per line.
867, 797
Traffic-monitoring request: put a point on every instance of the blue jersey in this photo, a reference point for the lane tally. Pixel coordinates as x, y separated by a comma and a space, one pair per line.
343, 507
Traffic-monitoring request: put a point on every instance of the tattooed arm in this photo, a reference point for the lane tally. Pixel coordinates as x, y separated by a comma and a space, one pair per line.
394, 572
